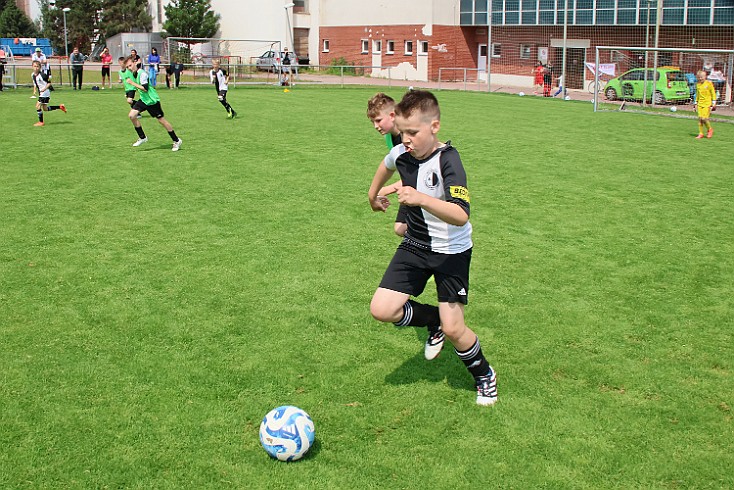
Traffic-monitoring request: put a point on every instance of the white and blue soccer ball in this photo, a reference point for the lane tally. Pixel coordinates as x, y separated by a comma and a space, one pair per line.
674, 109
521, 94
287, 433
568, 97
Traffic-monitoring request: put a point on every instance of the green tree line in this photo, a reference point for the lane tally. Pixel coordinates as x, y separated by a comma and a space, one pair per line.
91, 22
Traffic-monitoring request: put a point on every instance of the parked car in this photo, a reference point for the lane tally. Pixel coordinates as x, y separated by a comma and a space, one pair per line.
670, 85
270, 60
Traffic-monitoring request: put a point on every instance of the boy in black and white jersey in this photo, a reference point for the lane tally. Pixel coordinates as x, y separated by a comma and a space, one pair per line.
42, 84
437, 242
220, 79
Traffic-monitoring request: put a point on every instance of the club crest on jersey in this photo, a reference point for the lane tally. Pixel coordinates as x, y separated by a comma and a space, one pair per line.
431, 180
459, 192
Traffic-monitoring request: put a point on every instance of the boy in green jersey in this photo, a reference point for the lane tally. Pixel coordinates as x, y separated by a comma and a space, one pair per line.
149, 101
125, 76
381, 111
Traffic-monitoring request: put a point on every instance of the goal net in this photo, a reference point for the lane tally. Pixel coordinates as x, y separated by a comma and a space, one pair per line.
658, 80
238, 56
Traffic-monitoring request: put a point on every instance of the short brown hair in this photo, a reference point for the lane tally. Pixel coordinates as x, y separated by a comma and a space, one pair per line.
419, 100
377, 103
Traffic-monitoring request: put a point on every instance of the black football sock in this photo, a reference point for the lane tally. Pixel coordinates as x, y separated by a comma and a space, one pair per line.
54, 107
40, 115
474, 360
419, 315
173, 136
141, 133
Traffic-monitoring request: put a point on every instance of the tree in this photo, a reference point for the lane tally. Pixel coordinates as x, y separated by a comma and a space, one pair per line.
191, 18
124, 16
15, 23
81, 21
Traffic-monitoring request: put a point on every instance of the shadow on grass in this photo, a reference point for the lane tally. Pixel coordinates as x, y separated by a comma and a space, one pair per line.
446, 366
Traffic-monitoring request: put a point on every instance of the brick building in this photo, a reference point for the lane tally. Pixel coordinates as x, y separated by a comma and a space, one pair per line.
524, 32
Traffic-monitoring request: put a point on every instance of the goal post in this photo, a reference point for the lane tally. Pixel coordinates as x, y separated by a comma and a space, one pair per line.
660, 80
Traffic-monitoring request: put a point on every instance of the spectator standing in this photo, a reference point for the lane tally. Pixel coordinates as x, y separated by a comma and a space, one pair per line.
77, 67
136, 58
286, 68
154, 62
106, 59
176, 69
2, 68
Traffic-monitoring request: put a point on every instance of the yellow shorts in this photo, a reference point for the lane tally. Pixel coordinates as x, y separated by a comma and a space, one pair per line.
704, 112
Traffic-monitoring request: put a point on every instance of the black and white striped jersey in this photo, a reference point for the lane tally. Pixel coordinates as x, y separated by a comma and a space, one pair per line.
442, 176
219, 79
41, 81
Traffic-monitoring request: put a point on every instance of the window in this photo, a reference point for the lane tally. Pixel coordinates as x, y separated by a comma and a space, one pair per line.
626, 16
390, 47
325, 46
724, 15
365, 46
376, 46
496, 50
300, 6
529, 12
422, 47
408, 48
673, 16
525, 50
465, 12
699, 16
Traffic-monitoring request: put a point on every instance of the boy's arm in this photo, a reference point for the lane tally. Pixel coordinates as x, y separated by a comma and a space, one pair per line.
382, 175
136, 85
391, 189
454, 210
449, 212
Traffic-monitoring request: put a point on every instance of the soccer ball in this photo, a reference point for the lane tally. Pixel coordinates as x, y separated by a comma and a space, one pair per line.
410, 89
287, 433
568, 97
521, 94
674, 109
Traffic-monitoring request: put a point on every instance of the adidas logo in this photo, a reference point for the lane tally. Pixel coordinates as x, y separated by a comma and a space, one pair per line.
462, 292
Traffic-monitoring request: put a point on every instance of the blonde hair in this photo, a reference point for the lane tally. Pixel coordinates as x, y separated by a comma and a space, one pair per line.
378, 103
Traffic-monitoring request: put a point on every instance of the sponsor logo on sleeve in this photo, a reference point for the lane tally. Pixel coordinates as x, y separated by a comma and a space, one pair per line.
459, 192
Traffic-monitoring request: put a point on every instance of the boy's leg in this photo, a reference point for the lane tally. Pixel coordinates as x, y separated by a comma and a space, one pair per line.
133, 116
397, 308
176, 140
467, 347
222, 96
39, 111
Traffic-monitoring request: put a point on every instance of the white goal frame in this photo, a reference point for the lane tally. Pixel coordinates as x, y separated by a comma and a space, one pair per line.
729, 52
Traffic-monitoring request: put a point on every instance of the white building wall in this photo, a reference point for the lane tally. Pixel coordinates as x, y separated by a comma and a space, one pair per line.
268, 19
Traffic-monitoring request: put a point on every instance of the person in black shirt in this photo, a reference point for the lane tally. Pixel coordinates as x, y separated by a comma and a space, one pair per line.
286, 68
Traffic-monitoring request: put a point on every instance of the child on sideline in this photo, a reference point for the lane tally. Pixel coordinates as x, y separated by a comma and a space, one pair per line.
381, 111
42, 84
149, 101
705, 103
220, 78
438, 240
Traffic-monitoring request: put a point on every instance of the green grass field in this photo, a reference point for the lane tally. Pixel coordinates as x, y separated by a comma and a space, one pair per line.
155, 305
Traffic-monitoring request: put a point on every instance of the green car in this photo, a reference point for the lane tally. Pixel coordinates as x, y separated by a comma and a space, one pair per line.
670, 85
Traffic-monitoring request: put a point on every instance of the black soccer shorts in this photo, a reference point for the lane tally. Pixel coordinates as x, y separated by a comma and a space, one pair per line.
412, 266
